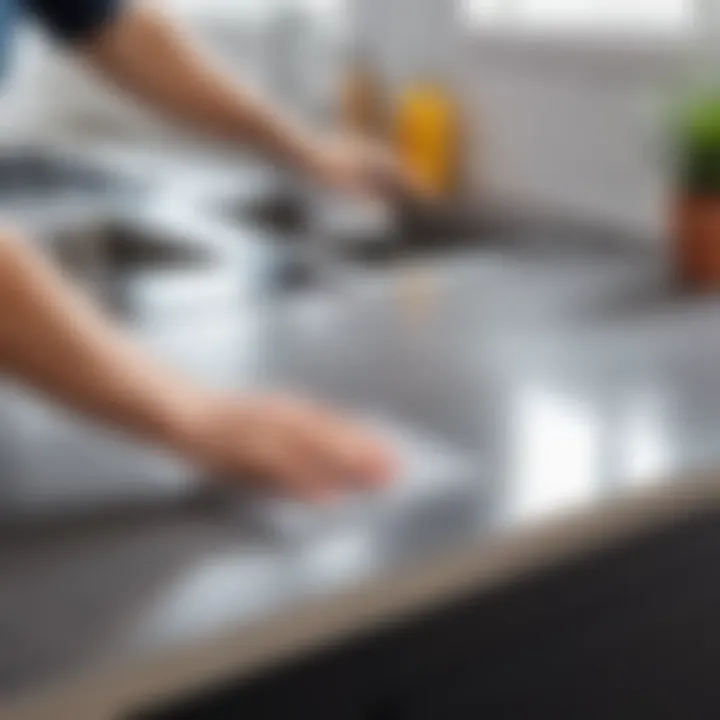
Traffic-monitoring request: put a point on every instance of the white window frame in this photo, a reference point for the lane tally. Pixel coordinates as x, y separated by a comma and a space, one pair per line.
506, 14
657, 50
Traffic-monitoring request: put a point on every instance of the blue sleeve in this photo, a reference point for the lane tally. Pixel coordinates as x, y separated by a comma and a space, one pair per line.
74, 20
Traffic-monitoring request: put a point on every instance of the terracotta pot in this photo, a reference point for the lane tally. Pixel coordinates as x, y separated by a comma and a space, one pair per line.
697, 241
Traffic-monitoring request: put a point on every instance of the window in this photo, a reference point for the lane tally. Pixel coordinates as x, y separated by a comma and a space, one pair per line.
261, 9
633, 15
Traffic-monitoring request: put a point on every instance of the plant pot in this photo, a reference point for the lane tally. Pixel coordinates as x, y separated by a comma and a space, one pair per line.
697, 241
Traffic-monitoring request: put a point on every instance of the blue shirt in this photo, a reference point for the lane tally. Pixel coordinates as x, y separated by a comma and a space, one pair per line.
68, 20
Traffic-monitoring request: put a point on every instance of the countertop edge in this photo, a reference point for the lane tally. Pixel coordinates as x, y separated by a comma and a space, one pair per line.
112, 692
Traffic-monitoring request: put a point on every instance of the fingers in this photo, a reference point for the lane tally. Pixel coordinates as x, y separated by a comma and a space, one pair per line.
305, 452
341, 449
368, 169
284, 471
394, 182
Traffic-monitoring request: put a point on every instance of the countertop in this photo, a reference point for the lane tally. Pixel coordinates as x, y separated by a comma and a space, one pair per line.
578, 385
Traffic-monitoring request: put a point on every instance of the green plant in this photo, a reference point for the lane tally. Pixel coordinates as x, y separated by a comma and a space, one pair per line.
697, 145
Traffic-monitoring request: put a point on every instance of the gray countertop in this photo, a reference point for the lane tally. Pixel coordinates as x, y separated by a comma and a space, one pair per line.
580, 392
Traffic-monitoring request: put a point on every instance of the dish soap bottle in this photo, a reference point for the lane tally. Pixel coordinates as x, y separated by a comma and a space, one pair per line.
427, 134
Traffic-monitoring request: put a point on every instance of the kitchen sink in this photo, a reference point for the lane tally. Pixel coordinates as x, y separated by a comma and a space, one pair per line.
111, 258
277, 211
33, 173
117, 246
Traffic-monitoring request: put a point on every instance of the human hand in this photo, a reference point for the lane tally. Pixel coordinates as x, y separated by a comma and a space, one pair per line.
287, 447
364, 168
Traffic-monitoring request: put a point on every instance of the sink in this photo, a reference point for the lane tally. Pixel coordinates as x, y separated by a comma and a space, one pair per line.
35, 173
125, 246
359, 229
280, 212
109, 257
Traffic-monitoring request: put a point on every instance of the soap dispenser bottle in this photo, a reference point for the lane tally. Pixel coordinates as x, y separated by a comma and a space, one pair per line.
427, 135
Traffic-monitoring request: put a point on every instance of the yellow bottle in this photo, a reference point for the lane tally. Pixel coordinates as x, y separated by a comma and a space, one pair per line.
427, 132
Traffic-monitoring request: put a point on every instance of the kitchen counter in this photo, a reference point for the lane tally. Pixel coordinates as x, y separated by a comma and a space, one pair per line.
581, 391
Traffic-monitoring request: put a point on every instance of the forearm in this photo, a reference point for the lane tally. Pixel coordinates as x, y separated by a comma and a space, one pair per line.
146, 54
54, 340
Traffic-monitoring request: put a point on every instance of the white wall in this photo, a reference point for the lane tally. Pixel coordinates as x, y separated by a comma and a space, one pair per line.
406, 36
567, 128
24, 100
575, 130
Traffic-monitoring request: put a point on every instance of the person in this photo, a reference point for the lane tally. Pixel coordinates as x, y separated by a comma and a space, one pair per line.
52, 338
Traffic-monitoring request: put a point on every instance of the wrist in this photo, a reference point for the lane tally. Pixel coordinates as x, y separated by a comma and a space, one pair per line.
297, 149
185, 421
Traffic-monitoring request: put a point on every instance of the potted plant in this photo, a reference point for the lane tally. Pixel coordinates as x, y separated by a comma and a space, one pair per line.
697, 165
